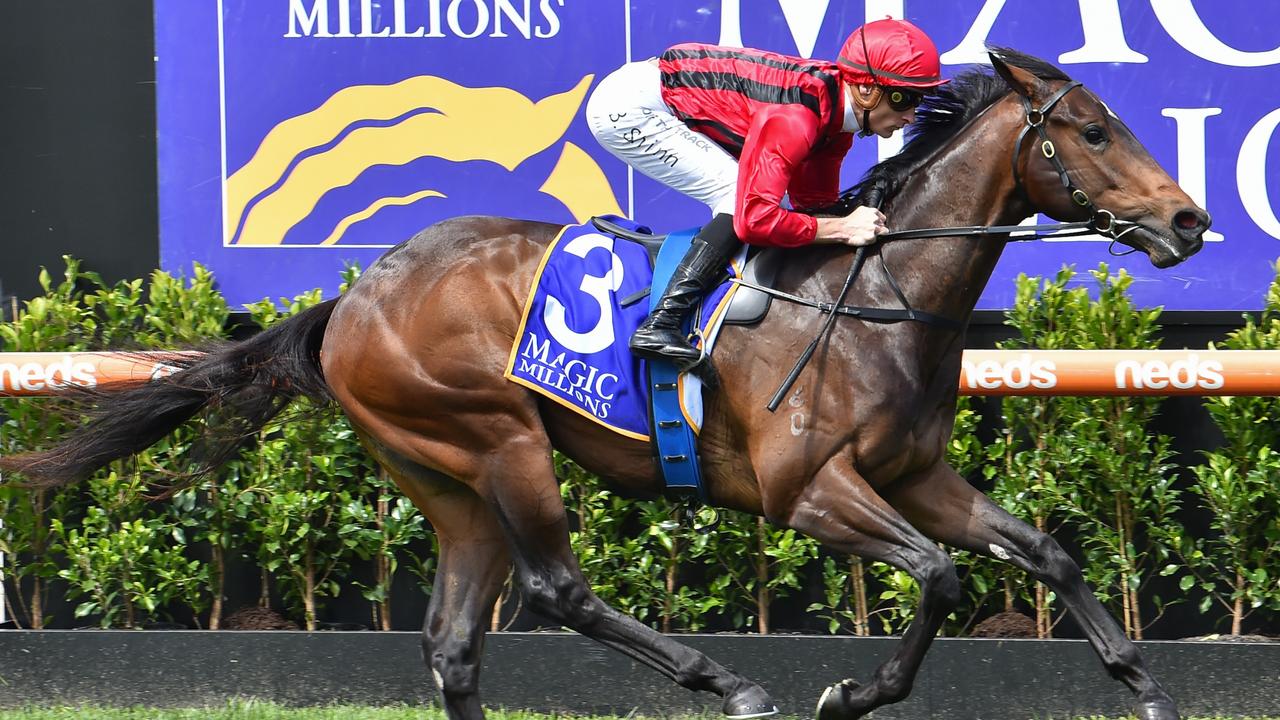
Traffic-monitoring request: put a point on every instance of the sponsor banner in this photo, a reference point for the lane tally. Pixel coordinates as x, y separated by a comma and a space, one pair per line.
44, 373
1120, 372
984, 372
296, 136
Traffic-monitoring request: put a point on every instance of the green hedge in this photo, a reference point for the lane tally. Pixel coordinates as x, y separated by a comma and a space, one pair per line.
307, 506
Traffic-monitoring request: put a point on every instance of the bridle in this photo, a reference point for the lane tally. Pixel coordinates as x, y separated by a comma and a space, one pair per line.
1101, 222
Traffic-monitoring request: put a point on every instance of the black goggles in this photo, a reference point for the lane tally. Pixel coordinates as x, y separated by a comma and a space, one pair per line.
901, 99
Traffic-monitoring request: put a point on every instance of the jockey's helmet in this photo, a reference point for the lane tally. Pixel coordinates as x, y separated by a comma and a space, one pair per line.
892, 53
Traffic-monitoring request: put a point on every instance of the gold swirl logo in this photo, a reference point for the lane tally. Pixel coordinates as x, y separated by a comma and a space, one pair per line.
308, 155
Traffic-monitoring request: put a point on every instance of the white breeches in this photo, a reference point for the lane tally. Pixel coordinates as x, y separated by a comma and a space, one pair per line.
627, 115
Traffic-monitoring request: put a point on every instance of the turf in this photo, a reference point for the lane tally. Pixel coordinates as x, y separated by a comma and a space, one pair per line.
252, 710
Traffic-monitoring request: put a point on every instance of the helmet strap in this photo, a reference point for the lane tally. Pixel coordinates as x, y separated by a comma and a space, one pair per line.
873, 99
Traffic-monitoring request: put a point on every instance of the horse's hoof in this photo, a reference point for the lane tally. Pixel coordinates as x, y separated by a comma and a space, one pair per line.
749, 701
1163, 709
835, 703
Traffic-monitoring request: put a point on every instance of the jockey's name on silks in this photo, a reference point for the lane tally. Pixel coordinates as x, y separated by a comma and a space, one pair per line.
572, 342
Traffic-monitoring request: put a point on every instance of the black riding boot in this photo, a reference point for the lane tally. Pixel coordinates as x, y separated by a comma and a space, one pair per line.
660, 337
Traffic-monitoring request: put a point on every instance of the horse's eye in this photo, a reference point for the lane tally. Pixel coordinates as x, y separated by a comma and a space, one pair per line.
1094, 135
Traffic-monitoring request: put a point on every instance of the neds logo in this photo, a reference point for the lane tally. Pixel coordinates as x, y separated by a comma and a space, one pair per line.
1016, 374
1181, 374
36, 376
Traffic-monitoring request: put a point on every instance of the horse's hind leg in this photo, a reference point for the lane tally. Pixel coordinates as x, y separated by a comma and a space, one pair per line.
527, 497
472, 565
945, 507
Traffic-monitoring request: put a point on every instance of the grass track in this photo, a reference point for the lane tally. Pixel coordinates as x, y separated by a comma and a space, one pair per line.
250, 710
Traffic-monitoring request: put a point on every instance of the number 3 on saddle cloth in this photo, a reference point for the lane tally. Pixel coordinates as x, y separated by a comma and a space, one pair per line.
587, 298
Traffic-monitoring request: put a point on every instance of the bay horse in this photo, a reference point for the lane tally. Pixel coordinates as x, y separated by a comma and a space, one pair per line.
414, 354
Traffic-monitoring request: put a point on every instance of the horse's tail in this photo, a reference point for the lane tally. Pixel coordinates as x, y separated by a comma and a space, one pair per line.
245, 384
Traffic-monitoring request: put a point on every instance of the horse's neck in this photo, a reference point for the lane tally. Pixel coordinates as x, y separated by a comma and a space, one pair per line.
967, 183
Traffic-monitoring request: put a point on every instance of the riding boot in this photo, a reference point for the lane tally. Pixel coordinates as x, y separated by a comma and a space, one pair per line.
661, 336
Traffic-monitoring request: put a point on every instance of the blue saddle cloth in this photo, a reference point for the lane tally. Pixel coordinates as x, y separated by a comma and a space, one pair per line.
572, 342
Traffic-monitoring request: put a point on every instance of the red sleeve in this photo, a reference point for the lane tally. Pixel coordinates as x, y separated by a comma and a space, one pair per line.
777, 143
816, 183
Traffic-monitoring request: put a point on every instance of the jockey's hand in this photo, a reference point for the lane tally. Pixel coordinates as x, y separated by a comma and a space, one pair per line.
858, 228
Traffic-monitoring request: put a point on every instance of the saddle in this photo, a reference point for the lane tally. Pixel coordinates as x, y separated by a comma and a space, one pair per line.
748, 305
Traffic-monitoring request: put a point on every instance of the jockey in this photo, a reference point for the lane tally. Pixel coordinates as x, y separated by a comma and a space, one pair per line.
738, 129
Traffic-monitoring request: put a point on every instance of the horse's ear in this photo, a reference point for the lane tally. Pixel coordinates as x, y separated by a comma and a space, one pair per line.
1021, 81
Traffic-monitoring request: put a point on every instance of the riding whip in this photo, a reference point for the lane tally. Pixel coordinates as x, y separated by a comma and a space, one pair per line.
873, 199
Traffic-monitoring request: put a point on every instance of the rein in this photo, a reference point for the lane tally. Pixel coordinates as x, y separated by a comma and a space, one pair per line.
874, 198
1100, 222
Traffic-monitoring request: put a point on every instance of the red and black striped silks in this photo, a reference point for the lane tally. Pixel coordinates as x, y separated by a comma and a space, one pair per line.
781, 116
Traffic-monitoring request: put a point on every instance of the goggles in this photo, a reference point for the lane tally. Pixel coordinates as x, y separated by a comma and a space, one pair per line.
902, 99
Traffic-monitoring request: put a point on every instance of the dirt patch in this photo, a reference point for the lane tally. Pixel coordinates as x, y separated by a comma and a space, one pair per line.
1234, 638
257, 618
1005, 625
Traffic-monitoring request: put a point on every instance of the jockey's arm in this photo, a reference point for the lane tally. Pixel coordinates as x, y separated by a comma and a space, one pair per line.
777, 146
816, 182
777, 143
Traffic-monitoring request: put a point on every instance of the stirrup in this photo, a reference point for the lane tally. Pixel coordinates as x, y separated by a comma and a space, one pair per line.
694, 510
692, 339
690, 511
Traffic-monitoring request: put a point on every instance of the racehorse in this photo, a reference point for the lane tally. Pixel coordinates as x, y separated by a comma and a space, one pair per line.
414, 354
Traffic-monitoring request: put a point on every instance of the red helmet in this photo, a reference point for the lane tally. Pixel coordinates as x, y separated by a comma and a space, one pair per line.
900, 54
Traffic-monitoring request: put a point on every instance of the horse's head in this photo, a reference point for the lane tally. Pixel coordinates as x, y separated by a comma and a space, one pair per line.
1076, 160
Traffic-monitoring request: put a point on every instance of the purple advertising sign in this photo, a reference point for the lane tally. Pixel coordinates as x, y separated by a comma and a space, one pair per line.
298, 136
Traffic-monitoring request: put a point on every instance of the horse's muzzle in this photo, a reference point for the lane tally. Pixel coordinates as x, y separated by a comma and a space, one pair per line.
1169, 244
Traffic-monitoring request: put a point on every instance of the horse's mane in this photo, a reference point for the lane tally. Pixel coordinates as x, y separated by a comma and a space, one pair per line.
942, 115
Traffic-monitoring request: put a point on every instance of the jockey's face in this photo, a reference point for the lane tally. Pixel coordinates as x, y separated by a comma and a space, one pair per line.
886, 117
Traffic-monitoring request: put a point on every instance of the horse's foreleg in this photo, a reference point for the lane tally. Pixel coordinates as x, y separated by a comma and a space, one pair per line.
527, 497
945, 507
842, 511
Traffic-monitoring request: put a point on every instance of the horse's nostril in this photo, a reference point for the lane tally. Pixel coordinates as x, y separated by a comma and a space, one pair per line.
1187, 220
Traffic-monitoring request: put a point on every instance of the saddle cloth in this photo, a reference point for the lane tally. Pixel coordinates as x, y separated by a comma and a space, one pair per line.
571, 345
